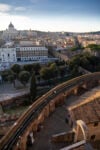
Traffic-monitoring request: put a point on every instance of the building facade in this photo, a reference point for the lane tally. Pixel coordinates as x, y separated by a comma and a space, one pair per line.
8, 54
11, 55
35, 53
14, 54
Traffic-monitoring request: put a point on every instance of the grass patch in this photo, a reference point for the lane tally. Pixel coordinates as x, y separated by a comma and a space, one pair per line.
16, 110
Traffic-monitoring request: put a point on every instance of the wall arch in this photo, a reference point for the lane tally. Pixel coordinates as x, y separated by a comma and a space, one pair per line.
81, 125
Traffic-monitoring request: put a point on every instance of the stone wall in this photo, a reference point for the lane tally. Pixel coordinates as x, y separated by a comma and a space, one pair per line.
94, 130
14, 101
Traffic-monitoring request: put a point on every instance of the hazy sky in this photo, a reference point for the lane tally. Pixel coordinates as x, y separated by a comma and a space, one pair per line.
51, 15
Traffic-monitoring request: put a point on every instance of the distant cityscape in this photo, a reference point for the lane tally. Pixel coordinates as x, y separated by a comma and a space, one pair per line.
27, 46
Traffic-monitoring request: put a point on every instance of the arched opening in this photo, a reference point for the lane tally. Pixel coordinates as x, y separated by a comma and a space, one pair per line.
81, 90
30, 140
82, 129
95, 124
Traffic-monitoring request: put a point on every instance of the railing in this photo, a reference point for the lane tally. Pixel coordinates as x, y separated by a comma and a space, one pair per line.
33, 111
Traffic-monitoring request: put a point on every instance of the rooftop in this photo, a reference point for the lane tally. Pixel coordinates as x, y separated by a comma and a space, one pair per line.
87, 104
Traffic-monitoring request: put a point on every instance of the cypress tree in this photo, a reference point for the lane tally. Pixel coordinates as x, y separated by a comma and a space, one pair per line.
33, 89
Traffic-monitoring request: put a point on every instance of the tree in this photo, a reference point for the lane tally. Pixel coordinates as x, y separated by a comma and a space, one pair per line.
16, 68
45, 73
53, 66
5, 74
75, 61
33, 89
36, 68
75, 71
84, 62
62, 71
28, 67
12, 78
60, 63
94, 47
24, 77
38, 78
53, 70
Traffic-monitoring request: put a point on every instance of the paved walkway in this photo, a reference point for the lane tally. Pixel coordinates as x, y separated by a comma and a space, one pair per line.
8, 91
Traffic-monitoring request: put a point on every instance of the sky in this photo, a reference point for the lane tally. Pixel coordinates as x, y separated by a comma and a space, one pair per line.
51, 15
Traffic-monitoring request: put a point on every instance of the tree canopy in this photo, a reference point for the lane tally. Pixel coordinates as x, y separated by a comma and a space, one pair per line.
24, 77
94, 47
86, 61
16, 68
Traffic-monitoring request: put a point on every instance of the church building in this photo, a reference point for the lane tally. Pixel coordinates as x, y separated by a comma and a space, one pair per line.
10, 33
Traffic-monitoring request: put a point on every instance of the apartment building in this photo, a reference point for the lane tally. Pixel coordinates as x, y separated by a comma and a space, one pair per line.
31, 53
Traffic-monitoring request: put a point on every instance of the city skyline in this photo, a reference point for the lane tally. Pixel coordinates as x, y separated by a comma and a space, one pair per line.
51, 15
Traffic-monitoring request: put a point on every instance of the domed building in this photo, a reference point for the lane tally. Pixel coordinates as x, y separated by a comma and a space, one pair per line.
11, 26
10, 33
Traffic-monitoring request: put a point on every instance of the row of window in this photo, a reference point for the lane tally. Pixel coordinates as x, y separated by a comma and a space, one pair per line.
32, 58
33, 51
31, 48
23, 55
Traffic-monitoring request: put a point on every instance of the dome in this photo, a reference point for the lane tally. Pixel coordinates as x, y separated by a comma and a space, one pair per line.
11, 25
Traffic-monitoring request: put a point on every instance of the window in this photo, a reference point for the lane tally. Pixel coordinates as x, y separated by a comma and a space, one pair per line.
66, 120
95, 124
92, 137
17, 48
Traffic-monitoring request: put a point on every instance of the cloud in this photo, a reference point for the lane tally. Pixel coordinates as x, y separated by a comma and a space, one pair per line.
20, 8
3, 14
4, 7
6, 18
